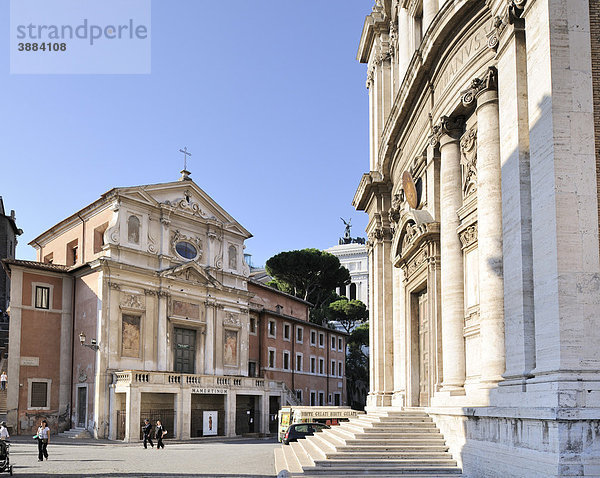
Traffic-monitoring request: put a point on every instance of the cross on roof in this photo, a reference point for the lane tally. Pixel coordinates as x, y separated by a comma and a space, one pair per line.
185, 155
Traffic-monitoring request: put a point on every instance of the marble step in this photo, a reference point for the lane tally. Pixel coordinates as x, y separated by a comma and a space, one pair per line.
390, 455
384, 435
425, 464
382, 473
290, 461
391, 424
393, 448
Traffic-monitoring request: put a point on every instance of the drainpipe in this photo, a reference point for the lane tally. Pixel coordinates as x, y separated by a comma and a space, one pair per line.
82, 239
328, 345
74, 336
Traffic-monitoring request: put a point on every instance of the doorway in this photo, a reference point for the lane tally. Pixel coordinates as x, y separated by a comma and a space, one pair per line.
81, 406
185, 350
424, 349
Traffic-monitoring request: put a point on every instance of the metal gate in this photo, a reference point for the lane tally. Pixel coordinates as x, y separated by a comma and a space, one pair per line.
167, 416
121, 421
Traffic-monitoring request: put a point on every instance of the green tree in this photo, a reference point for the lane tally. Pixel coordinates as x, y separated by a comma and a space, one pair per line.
357, 367
348, 313
309, 274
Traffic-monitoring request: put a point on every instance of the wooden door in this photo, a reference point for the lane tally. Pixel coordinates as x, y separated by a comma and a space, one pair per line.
81, 406
424, 348
185, 350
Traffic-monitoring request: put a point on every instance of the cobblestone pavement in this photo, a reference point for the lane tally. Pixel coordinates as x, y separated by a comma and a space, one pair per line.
102, 458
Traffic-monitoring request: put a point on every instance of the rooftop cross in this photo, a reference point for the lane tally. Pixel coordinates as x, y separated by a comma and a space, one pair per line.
185, 155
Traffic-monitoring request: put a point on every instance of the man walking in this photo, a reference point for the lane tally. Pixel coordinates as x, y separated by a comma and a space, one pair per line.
147, 429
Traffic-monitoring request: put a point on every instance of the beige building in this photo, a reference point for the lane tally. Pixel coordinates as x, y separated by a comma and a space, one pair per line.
152, 279
482, 196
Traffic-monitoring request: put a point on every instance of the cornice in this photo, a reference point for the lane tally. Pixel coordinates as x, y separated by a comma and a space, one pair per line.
370, 184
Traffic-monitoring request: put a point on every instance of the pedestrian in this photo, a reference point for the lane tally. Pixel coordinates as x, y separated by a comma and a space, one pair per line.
147, 429
160, 433
3, 379
4, 431
43, 438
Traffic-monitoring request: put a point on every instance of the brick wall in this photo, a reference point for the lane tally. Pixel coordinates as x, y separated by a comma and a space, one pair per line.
595, 39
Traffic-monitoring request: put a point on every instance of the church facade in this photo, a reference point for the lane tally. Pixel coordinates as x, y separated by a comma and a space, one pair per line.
482, 196
138, 307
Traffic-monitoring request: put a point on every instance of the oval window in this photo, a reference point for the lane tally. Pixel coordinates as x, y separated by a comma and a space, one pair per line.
186, 250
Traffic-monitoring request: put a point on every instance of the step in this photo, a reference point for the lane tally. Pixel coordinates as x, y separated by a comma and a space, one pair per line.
405, 464
301, 455
280, 463
429, 442
392, 448
394, 424
383, 473
389, 455
291, 462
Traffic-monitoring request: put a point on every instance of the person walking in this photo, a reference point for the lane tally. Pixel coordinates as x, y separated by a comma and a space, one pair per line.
4, 431
147, 429
3, 380
43, 438
160, 433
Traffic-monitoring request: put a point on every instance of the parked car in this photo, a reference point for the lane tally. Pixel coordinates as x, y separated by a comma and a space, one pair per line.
301, 430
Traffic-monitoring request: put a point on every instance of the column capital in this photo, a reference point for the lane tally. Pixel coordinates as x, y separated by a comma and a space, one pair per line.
512, 15
478, 86
447, 126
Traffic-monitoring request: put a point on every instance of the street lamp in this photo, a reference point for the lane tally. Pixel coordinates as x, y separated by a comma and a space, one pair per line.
93, 345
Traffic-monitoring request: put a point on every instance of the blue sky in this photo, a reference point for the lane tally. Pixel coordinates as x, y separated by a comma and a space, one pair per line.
267, 95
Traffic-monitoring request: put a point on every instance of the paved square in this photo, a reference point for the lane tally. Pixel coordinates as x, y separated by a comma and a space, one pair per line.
75, 458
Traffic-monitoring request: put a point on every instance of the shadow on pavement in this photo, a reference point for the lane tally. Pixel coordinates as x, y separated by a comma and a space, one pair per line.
22, 471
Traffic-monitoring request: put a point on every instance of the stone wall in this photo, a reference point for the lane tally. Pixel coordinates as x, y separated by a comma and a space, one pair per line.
595, 40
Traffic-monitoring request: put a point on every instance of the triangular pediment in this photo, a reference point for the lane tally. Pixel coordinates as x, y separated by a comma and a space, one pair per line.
191, 272
186, 198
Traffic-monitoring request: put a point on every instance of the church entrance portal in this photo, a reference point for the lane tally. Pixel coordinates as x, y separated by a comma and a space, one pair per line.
424, 355
185, 350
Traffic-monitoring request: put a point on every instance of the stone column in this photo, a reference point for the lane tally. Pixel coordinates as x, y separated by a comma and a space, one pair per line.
184, 413
132, 406
398, 399
404, 53
230, 412
508, 37
264, 414
448, 133
489, 218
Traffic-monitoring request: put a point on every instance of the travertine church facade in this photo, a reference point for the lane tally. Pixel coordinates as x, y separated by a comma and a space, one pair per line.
482, 196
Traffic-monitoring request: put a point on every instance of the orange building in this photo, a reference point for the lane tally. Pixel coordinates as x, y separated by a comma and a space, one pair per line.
285, 346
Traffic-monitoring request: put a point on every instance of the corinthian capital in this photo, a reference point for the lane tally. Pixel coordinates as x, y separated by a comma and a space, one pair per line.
447, 125
479, 85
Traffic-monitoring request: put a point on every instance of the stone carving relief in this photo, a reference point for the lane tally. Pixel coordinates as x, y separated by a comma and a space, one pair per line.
132, 301
447, 125
232, 255
468, 162
186, 204
232, 319
394, 212
416, 262
412, 234
114, 286
468, 236
216, 236
152, 249
479, 85
512, 16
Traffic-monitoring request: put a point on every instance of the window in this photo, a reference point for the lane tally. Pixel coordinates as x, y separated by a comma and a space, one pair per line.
99, 237
38, 394
313, 337
271, 358
251, 369
299, 395
133, 229
49, 258
186, 250
340, 345
272, 330
299, 334
286, 331
333, 343
313, 398
72, 253
321, 399
42, 297
253, 325
340, 370
313, 365
299, 362
337, 399
321, 339
333, 368
321, 366
353, 291
286, 360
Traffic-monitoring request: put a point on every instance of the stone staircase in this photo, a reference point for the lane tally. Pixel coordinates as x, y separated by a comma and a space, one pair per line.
382, 444
75, 433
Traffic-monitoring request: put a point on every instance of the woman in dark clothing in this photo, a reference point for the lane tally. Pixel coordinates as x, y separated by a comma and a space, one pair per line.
147, 429
160, 433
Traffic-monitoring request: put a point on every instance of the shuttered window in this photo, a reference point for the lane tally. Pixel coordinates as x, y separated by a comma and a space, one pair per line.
39, 394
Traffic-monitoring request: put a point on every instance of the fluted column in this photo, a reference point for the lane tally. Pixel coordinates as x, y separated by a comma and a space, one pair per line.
489, 217
452, 275
430, 8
